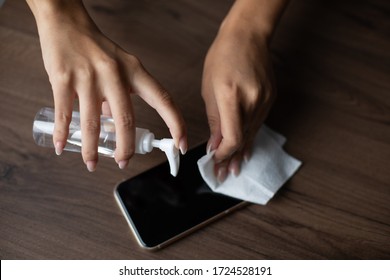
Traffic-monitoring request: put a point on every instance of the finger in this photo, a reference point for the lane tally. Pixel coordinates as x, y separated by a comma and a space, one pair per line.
107, 124
244, 152
212, 117
159, 99
221, 171
258, 118
90, 124
122, 112
231, 124
106, 111
64, 97
250, 135
234, 166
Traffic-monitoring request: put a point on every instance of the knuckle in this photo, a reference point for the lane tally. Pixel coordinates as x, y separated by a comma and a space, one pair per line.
233, 142
59, 76
62, 121
250, 104
63, 118
177, 129
227, 88
124, 154
129, 153
257, 96
229, 94
108, 64
213, 121
85, 73
60, 133
165, 99
89, 154
92, 125
134, 62
254, 94
125, 121
263, 93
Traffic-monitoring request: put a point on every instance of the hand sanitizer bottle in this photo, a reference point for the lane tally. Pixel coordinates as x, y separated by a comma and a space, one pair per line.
145, 141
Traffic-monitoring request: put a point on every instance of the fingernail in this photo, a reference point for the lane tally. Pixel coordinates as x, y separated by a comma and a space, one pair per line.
59, 147
123, 163
222, 174
210, 146
183, 146
91, 165
234, 168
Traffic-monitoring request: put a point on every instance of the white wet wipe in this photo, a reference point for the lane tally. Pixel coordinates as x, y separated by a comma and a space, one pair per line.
262, 176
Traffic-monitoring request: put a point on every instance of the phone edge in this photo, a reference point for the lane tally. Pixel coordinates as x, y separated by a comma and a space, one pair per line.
180, 235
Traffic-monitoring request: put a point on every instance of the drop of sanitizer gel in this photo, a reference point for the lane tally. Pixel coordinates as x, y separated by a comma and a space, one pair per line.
145, 141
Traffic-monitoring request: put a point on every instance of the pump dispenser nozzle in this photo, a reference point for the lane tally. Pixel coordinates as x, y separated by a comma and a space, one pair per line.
144, 140
172, 153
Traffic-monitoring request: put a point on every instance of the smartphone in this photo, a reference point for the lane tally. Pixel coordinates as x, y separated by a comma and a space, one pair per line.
160, 208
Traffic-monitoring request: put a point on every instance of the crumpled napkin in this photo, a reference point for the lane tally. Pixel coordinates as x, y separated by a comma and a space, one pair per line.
262, 176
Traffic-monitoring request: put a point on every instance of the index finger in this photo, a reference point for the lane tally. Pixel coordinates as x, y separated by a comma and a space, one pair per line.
158, 98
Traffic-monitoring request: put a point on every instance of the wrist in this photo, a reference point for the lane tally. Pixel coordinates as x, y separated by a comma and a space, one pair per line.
254, 18
243, 30
48, 13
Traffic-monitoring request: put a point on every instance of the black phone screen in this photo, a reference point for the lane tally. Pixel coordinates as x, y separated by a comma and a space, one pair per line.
160, 207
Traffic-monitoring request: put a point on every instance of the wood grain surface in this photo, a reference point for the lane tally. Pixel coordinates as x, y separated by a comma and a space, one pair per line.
332, 62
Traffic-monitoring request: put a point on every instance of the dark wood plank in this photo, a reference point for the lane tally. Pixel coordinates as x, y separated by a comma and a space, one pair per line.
332, 62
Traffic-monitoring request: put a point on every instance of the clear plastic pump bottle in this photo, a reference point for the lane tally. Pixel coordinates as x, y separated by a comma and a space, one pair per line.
144, 140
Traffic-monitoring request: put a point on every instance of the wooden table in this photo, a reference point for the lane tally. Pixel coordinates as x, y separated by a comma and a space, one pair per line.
332, 62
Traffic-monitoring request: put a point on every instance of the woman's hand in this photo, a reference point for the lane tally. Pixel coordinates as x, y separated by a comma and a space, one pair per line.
238, 91
82, 62
238, 83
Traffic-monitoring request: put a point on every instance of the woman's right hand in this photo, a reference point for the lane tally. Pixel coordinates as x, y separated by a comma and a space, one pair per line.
82, 62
